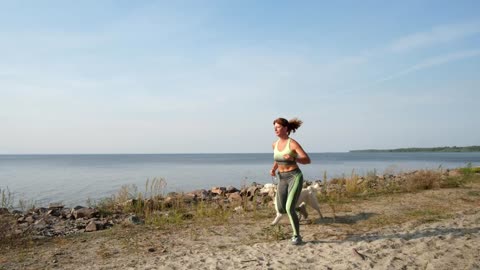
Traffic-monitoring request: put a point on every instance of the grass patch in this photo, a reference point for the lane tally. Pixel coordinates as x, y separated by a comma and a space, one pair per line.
474, 193
165, 211
427, 215
274, 233
6, 198
382, 221
469, 169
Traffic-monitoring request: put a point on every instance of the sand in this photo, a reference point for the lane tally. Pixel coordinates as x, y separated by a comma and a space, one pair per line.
434, 229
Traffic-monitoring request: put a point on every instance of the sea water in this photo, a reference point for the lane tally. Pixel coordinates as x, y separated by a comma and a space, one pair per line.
72, 179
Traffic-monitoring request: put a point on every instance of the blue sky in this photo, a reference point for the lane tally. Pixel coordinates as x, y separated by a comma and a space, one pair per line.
210, 76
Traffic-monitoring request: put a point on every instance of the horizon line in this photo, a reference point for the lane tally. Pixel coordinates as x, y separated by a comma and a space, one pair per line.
179, 153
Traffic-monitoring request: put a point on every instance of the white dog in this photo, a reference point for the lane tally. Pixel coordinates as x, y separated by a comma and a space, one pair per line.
308, 196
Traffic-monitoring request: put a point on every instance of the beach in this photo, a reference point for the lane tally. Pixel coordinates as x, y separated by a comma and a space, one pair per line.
429, 229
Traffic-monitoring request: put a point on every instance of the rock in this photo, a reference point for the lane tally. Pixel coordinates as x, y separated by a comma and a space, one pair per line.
17, 213
40, 210
268, 190
202, 194
231, 189
66, 213
30, 219
219, 190
55, 206
168, 202
172, 194
40, 225
198, 192
56, 212
84, 213
129, 203
189, 198
91, 227
40, 222
235, 197
132, 220
80, 224
252, 191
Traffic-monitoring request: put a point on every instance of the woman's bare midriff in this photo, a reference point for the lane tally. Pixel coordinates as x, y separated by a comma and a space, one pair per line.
286, 168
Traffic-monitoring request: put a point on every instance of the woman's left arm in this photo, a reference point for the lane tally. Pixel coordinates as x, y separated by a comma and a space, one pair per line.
302, 157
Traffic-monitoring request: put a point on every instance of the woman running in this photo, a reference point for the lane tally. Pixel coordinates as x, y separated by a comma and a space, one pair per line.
286, 154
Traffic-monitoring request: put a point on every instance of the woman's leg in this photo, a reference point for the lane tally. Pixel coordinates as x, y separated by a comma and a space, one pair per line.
281, 197
294, 190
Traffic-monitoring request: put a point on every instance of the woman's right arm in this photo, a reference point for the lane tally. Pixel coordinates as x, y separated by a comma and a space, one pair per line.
275, 165
274, 168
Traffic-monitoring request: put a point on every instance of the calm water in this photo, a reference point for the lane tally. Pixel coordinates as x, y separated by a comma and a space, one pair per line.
72, 179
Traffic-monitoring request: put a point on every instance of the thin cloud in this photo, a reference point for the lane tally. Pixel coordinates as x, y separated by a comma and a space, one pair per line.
439, 34
439, 60
425, 64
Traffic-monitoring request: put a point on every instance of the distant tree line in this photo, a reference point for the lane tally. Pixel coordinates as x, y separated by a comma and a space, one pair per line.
474, 148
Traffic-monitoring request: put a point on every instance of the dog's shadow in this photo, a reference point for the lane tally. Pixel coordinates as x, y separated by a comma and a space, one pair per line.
341, 219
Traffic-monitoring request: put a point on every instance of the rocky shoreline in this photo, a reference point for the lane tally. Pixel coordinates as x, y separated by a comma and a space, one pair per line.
57, 220
376, 223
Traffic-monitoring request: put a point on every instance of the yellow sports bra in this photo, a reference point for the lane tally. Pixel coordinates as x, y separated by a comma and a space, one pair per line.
278, 155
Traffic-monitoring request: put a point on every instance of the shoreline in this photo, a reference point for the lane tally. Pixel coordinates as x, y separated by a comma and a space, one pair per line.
428, 228
8, 194
72, 180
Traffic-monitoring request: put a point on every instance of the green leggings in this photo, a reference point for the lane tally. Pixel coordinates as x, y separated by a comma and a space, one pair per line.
288, 190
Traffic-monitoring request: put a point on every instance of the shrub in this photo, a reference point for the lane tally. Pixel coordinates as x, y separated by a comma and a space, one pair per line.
422, 179
352, 186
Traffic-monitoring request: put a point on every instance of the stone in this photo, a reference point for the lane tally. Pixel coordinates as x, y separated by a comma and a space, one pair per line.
40, 210
84, 213
168, 202
17, 213
191, 196
235, 197
91, 227
231, 189
55, 206
218, 190
56, 212
172, 194
80, 224
252, 191
30, 219
132, 220
129, 203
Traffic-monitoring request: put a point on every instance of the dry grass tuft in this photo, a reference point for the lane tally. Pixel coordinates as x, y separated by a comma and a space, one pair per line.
422, 180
